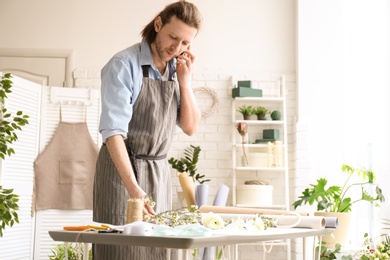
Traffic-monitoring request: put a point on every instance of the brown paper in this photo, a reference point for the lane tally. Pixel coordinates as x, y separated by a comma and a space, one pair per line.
238, 210
188, 187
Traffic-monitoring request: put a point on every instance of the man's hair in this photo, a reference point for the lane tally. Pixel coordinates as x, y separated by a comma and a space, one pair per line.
184, 11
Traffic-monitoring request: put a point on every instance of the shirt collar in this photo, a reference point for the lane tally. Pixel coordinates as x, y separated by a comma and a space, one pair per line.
146, 54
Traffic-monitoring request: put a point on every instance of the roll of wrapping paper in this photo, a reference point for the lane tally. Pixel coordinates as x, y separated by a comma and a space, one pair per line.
188, 187
331, 222
237, 210
314, 222
134, 210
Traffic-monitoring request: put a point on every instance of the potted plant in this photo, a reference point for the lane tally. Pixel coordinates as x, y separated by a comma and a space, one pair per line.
8, 126
188, 163
73, 252
336, 200
260, 112
193, 184
246, 111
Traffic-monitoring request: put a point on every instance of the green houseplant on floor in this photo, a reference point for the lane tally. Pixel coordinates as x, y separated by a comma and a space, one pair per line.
9, 125
337, 201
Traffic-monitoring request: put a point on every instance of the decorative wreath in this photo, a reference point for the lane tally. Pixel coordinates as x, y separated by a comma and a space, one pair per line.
213, 94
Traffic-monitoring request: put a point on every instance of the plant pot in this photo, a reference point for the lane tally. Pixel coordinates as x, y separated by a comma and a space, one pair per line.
341, 235
247, 116
254, 194
260, 117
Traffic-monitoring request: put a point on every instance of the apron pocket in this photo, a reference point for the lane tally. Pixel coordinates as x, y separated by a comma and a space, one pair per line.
73, 172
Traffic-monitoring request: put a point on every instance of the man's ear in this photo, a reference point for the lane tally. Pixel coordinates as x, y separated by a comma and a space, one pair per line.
157, 24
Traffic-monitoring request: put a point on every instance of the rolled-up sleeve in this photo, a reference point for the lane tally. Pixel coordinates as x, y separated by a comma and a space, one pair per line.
117, 90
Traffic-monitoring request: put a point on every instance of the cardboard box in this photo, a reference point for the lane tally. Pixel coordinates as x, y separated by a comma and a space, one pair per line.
246, 92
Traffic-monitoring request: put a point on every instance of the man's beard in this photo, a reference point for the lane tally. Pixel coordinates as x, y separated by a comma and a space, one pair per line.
160, 50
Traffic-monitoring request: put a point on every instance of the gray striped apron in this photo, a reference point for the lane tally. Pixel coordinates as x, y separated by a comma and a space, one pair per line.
150, 135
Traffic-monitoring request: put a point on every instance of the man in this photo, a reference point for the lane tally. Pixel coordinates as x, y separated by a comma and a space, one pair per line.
145, 94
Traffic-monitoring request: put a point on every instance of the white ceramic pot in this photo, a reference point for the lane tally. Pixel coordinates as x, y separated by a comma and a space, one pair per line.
341, 235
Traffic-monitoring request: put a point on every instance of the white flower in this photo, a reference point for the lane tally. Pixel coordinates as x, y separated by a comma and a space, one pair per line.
212, 221
240, 223
259, 223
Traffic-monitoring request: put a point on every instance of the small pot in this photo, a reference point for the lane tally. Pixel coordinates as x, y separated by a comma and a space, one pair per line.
260, 117
247, 116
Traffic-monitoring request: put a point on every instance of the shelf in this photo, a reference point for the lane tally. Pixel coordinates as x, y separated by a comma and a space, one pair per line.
260, 122
263, 154
259, 145
261, 206
265, 99
271, 169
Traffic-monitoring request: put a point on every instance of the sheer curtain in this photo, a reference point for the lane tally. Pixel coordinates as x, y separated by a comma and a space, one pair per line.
344, 91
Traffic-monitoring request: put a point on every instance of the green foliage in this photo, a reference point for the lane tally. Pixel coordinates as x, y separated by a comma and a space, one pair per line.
260, 111
331, 253
8, 124
188, 163
59, 252
8, 208
334, 198
246, 110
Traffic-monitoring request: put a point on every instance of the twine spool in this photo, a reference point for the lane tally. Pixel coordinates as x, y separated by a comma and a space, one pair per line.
134, 210
256, 182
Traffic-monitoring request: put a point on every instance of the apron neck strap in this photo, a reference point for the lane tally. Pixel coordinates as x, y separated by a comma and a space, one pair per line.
145, 70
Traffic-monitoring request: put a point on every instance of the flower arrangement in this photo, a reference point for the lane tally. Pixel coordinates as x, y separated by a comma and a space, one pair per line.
190, 221
380, 252
192, 215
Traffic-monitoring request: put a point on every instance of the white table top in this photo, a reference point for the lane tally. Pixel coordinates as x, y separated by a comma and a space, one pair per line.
181, 242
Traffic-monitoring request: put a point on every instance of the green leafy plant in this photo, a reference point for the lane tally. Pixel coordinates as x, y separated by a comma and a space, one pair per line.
246, 110
331, 253
72, 250
188, 163
260, 111
334, 198
8, 208
8, 124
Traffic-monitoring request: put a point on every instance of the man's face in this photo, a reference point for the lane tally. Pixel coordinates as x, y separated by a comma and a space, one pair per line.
173, 38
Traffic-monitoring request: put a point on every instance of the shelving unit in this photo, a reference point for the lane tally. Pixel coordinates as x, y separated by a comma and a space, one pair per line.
262, 169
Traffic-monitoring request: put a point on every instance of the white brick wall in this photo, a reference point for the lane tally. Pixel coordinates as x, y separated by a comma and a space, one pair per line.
214, 138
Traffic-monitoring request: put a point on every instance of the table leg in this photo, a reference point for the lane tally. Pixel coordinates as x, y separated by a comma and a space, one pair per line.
86, 251
169, 254
66, 250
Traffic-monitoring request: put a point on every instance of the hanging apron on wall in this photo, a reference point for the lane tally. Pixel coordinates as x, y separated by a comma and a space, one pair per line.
65, 169
150, 135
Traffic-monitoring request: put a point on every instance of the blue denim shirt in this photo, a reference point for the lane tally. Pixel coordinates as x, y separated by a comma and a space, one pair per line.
121, 84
